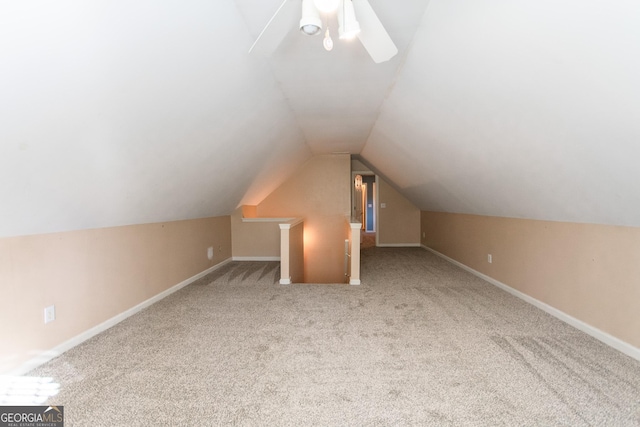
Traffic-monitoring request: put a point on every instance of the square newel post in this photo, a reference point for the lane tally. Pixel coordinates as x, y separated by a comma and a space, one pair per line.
292, 252
354, 279
285, 275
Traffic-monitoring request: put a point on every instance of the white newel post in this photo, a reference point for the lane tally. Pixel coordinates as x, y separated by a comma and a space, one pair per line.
354, 279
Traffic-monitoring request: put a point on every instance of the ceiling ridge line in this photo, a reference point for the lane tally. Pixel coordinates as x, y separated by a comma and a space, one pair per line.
396, 75
273, 74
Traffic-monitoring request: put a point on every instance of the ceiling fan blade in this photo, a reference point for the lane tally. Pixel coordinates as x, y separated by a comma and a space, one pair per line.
277, 28
373, 36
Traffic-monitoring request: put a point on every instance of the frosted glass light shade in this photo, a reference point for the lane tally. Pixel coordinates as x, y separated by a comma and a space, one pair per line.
358, 182
327, 42
310, 23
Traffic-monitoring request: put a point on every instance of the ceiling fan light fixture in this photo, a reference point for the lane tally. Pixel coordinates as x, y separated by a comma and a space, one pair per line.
310, 29
348, 25
310, 23
327, 42
327, 6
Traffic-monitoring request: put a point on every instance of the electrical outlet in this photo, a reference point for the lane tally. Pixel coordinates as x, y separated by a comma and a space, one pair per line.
489, 259
49, 314
210, 252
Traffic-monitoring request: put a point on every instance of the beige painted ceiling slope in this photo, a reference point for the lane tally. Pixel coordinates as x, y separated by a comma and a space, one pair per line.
123, 112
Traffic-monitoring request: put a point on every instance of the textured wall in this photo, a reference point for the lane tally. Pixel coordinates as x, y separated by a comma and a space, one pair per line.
319, 192
254, 239
94, 275
588, 271
399, 221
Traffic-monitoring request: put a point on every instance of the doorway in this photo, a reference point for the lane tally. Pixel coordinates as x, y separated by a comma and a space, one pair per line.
369, 203
364, 204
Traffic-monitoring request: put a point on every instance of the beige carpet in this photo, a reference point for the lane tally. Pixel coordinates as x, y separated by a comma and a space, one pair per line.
367, 239
421, 342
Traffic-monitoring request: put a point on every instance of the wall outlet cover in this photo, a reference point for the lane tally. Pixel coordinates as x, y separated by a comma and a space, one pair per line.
49, 314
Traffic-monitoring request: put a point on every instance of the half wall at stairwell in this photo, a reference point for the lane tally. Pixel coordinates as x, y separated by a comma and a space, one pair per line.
319, 192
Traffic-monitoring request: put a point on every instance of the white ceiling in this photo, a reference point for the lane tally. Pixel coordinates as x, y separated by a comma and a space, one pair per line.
520, 109
118, 112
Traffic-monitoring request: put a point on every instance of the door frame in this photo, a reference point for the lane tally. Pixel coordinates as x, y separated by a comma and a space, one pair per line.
375, 200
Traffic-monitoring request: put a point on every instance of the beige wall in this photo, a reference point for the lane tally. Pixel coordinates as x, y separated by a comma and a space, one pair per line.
249, 211
590, 272
254, 239
319, 192
94, 275
399, 221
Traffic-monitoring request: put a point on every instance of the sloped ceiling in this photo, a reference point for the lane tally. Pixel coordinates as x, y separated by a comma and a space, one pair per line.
122, 112
520, 109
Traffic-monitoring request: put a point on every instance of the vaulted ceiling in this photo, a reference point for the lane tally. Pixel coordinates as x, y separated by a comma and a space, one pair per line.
123, 112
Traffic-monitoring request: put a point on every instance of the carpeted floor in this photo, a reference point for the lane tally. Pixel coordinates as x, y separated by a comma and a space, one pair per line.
367, 239
421, 342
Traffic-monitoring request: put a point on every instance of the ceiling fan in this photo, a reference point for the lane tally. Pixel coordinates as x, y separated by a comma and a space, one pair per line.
356, 18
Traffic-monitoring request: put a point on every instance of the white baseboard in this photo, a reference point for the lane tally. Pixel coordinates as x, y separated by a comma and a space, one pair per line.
46, 356
256, 258
354, 282
606, 338
285, 281
398, 245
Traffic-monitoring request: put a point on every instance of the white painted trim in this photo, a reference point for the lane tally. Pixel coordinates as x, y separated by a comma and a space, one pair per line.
266, 219
285, 281
606, 338
376, 211
256, 258
399, 245
355, 282
291, 223
47, 355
